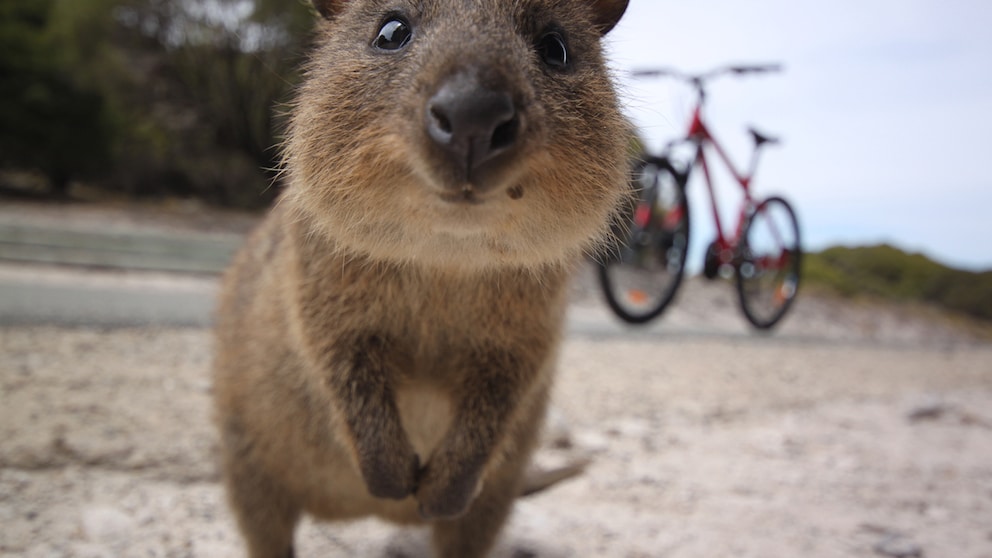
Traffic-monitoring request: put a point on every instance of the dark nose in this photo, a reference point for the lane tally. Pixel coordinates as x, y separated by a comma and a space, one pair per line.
472, 123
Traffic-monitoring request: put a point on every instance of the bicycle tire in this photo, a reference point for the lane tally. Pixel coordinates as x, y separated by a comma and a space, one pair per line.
768, 263
640, 276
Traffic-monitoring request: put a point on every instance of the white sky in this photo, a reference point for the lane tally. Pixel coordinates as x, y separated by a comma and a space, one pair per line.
884, 108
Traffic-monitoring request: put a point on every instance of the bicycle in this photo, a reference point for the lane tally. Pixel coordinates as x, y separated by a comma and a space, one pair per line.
641, 275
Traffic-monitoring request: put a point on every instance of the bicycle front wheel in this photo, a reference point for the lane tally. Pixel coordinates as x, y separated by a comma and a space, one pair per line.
768, 263
640, 277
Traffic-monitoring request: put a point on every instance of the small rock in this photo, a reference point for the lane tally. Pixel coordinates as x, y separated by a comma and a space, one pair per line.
557, 431
929, 409
898, 546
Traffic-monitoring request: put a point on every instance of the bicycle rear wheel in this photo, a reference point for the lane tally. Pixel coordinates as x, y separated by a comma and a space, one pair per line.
639, 278
768, 265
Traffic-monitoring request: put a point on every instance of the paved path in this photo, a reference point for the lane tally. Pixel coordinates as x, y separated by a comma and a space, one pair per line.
32, 294
35, 294
113, 267
119, 275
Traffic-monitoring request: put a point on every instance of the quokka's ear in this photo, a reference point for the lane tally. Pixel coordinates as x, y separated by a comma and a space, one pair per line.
607, 13
329, 9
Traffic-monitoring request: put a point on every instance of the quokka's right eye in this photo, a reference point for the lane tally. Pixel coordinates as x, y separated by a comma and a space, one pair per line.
393, 35
553, 50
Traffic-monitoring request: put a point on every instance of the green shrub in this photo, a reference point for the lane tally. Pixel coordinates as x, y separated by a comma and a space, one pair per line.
887, 272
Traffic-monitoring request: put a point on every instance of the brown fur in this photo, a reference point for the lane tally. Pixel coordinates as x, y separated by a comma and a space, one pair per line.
386, 349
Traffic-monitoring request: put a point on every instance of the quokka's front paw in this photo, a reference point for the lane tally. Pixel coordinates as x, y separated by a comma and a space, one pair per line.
391, 475
446, 496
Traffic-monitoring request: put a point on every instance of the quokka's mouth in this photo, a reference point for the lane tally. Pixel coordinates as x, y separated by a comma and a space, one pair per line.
470, 196
465, 196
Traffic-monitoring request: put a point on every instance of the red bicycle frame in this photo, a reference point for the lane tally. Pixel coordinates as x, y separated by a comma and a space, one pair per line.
700, 135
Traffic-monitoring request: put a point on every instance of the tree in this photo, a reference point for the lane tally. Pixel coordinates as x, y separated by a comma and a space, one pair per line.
234, 62
150, 97
47, 122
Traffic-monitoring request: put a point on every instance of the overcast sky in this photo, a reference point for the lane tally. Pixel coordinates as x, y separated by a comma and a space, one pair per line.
884, 108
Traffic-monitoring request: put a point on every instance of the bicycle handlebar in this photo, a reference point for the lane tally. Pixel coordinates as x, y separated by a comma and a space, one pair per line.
764, 68
698, 79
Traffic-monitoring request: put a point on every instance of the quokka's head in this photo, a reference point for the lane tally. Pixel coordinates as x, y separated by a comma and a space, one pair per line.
466, 134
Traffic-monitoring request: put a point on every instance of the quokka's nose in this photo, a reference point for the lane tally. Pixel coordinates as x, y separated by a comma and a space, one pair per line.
472, 123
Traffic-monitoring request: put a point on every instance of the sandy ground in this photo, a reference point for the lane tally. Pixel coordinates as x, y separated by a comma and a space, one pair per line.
852, 431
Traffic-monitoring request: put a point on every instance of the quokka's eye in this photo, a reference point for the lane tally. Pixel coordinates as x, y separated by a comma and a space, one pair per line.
393, 35
553, 51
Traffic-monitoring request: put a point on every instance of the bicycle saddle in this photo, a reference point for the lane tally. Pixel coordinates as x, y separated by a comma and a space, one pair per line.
760, 138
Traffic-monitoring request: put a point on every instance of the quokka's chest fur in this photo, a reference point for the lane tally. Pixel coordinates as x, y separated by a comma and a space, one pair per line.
435, 311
